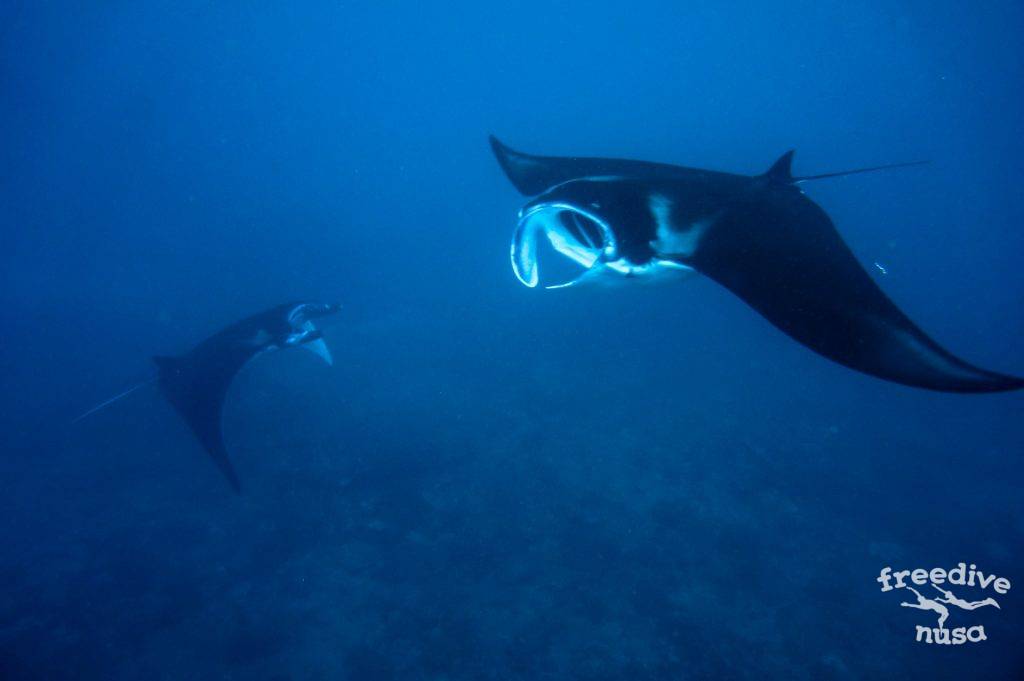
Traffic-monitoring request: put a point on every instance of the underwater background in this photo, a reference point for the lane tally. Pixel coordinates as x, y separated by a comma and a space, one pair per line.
492, 482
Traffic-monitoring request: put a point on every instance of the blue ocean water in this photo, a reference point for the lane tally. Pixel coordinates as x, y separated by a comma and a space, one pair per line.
492, 482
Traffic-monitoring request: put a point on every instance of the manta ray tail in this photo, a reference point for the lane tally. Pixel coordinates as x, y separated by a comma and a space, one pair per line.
781, 170
115, 398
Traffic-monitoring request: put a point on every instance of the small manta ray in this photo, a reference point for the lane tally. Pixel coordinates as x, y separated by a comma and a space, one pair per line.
759, 236
196, 383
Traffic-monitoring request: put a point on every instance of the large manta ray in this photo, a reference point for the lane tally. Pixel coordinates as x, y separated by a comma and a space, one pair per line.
197, 382
758, 236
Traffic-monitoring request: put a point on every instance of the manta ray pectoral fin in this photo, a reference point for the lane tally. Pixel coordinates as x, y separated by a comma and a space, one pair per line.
532, 175
320, 349
527, 173
219, 453
782, 255
196, 385
316, 345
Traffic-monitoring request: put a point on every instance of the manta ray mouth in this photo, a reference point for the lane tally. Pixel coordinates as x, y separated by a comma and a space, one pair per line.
578, 235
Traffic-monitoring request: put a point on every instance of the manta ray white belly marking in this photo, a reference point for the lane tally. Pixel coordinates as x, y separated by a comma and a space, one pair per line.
671, 241
260, 339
